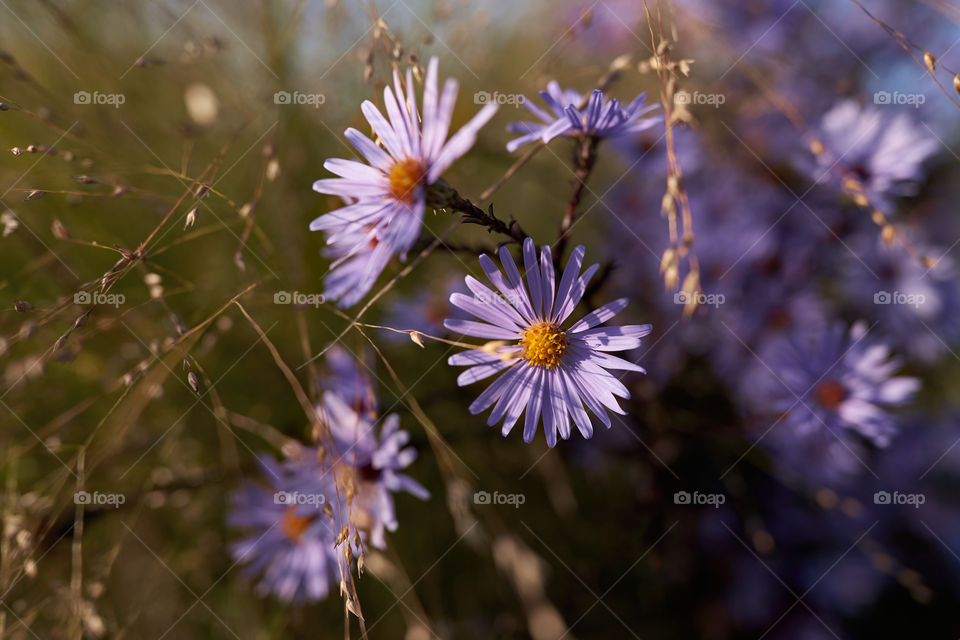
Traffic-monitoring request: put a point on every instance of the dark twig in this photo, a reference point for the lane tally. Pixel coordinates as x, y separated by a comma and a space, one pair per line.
443, 196
584, 158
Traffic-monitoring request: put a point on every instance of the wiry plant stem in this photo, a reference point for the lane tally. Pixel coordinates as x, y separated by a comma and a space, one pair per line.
584, 157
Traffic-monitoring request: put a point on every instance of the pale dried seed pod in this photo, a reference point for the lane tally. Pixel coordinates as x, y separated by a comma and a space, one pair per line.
59, 231
668, 206
691, 289
671, 277
273, 170
668, 260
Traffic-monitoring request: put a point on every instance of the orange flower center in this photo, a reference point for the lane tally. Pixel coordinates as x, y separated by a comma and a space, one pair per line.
293, 526
405, 177
543, 344
830, 394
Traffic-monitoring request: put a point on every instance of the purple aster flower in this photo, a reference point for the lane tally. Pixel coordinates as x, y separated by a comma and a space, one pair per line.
292, 528
602, 118
388, 195
291, 545
886, 155
547, 368
828, 383
374, 464
557, 100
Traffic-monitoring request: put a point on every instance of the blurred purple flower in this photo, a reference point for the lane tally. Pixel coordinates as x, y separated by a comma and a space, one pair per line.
375, 462
600, 118
603, 118
915, 304
886, 155
389, 194
830, 381
290, 544
548, 368
557, 100
292, 528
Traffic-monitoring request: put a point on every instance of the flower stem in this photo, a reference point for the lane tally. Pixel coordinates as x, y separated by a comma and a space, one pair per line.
583, 160
443, 196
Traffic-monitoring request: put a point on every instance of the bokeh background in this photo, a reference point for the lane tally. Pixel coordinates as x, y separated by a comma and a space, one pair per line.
186, 186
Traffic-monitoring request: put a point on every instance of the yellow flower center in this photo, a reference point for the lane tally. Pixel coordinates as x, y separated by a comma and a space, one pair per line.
405, 176
543, 344
293, 526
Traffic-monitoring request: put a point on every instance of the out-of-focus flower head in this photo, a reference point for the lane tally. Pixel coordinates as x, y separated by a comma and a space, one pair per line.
599, 118
917, 305
289, 538
372, 465
293, 528
557, 100
884, 154
604, 117
826, 392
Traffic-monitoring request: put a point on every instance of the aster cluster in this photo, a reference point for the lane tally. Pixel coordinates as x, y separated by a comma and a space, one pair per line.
824, 239
325, 503
322, 505
818, 383
559, 374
